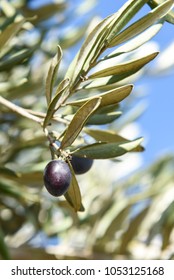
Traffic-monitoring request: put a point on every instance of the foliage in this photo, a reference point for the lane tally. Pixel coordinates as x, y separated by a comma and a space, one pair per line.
80, 114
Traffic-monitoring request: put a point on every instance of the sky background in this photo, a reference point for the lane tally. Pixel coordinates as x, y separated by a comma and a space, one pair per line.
157, 122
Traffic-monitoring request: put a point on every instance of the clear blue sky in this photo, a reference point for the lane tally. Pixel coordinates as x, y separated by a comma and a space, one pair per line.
157, 121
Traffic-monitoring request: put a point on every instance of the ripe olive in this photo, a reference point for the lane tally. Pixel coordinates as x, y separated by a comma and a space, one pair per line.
81, 165
57, 177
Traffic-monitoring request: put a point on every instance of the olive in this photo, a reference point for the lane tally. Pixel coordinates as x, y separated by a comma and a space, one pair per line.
57, 177
81, 165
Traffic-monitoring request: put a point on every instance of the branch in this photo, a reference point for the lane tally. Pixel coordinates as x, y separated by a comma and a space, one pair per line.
19, 110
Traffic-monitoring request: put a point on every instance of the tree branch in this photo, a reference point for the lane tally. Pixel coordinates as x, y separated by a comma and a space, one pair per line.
19, 110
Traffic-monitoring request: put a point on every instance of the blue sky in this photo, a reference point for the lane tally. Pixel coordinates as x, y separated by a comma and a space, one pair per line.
157, 121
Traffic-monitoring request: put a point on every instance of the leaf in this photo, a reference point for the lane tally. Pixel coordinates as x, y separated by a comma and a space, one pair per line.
142, 24
8, 173
108, 98
52, 72
8, 33
132, 230
125, 69
136, 42
78, 121
44, 11
3, 247
61, 95
99, 119
89, 47
124, 15
169, 17
16, 59
73, 195
107, 150
109, 136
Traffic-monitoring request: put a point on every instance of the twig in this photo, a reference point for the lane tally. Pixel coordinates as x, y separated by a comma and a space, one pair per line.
19, 110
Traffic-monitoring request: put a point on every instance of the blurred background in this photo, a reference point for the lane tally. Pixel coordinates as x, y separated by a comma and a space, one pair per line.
129, 208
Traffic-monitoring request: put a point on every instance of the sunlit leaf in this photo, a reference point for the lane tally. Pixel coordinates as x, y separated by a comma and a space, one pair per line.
124, 15
61, 95
107, 150
78, 121
108, 98
73, 195
109, 136
128, 68
142, 24
52, 72
99, 119
136, 42
8, 33
44, 11
169, 17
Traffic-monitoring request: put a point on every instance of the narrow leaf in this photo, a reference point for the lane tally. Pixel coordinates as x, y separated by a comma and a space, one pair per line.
136, 42
107, 150
99, 119
142, 24
128, 68
108, 98
78, 121
10, 32
61, 95
73, 195
52, 72
125, 14
109, 136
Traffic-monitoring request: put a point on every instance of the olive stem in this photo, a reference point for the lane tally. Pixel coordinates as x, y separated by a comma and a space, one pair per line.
19, 110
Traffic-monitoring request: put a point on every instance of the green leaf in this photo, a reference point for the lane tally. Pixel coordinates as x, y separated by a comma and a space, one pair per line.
44, 11
136, 42
107, 150
142, 24
99, 119
52, 72
124, 15
108, 98
89, 48
127, 69
8, 33
3, 247
132, 230
8, 173
73, 195
61, 95
109, 136
78, 121
169, 17
16, 59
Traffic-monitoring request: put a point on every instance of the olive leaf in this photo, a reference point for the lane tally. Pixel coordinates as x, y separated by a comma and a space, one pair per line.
9, 32
169, 17
73, 195
127, 68
124, 15
61, 95
78, 121
103, 150
16, 59
136, 42
142, 24
99, 119
108, 98
109, 136
52, 72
